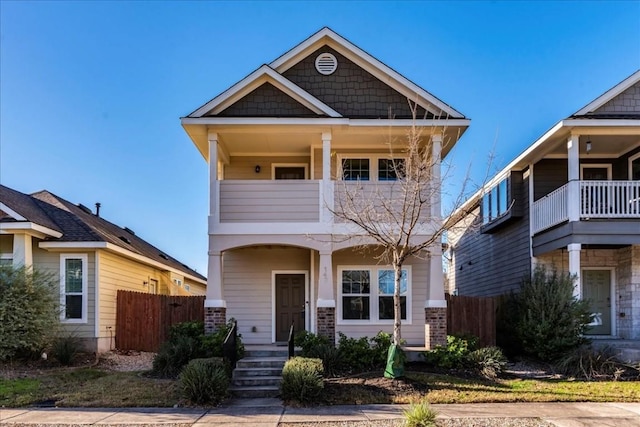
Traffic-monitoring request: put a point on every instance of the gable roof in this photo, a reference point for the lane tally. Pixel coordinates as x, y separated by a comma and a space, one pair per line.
562, 127
609, 95
274, 74
77, 224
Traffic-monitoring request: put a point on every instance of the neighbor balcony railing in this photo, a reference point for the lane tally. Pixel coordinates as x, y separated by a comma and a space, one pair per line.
598, 199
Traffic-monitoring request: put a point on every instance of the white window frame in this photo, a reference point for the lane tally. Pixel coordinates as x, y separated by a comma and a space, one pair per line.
7, 255
373, 295
289, 165
631, 160
606, 166
487, 211
85, 287
373, 164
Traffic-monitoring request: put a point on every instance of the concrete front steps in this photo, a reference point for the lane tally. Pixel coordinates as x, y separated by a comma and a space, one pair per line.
259, 373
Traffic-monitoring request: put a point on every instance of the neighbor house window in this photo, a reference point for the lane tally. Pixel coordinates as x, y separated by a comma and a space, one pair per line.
6, 260
495, 202
371, 168
73, 287
367, 294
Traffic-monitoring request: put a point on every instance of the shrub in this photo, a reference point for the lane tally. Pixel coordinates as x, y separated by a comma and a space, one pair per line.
419, 415
589, 363
356, 355
29, 311
454, 354
174, 354
380, 346
309, 342
187, 341
65, 348
487, 361
302, 380
204, 381
550, 320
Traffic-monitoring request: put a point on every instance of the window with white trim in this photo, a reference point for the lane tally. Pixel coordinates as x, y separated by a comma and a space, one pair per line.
73, 287
6, 260
366, 294
371, 167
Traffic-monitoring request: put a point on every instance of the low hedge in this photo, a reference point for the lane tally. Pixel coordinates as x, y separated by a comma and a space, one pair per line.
302, 380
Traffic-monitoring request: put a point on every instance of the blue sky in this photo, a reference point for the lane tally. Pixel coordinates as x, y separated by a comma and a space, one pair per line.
91, 92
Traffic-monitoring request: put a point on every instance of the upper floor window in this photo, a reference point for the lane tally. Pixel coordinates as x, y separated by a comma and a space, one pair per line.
73, 287
495, 202
372, 168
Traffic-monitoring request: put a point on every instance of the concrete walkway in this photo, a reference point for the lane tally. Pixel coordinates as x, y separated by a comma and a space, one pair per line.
270, 412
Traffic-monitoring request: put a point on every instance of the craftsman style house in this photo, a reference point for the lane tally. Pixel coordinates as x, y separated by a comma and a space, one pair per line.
571, 201
93, 258
281, 145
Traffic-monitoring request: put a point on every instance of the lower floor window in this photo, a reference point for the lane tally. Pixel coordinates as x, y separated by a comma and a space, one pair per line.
73, 287
366, 294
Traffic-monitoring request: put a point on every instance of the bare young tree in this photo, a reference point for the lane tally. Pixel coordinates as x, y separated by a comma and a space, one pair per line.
402, 215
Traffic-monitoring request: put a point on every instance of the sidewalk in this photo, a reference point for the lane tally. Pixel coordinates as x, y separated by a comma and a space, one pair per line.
270, 412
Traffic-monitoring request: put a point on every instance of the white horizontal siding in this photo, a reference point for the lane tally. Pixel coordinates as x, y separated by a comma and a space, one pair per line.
269, 201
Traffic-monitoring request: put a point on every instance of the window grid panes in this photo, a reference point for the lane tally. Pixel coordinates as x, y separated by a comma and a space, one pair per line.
73, 288
355, 169
356, 289
361, 298
389, 169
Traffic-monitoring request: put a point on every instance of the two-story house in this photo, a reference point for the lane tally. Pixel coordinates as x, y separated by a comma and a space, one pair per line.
280, 144
570, 201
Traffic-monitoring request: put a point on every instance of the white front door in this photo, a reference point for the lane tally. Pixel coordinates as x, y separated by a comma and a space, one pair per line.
596, 288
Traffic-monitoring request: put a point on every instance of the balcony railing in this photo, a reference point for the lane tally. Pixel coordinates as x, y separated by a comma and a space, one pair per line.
598, 199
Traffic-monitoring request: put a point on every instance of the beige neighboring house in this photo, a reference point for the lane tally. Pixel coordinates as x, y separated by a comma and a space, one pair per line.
281, 145
93, 258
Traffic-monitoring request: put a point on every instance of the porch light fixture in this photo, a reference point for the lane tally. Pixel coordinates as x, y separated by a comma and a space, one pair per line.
588, 145
257, 169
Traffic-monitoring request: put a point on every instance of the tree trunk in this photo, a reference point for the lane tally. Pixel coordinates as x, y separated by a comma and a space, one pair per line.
397, 312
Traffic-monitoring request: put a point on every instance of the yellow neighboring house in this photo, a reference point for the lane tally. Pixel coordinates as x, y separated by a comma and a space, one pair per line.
93, 258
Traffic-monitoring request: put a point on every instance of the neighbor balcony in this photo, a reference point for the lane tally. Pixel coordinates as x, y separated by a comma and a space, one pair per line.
600, 200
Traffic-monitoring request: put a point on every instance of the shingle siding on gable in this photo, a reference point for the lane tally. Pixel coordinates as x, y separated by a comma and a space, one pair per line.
267, 101
350, 90
493, 264
626, 102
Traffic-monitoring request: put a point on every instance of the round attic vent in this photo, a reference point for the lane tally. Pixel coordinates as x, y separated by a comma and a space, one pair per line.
326, 63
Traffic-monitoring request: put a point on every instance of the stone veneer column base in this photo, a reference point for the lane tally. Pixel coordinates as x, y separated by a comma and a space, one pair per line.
214, 318
435, 327
327, 323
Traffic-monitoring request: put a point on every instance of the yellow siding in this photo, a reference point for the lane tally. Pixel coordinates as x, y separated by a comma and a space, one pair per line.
195, 288
119, 273
50, 261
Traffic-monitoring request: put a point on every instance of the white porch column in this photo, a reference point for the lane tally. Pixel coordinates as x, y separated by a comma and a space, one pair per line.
214, 281
435, 293
573, 196
22, 250
327, 203
325, 281
436, 149
574, 267
214, 205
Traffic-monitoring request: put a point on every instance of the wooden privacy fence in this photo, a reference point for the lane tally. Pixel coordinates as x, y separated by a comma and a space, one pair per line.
472, 315
143, 320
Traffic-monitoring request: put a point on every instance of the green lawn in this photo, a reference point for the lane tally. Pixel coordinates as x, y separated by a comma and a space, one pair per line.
92, 387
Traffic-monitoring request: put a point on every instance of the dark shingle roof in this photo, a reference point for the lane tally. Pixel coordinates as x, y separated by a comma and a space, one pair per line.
78, 224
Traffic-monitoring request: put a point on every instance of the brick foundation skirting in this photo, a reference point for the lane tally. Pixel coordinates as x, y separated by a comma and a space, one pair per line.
435, 327
327, 323
214, 318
